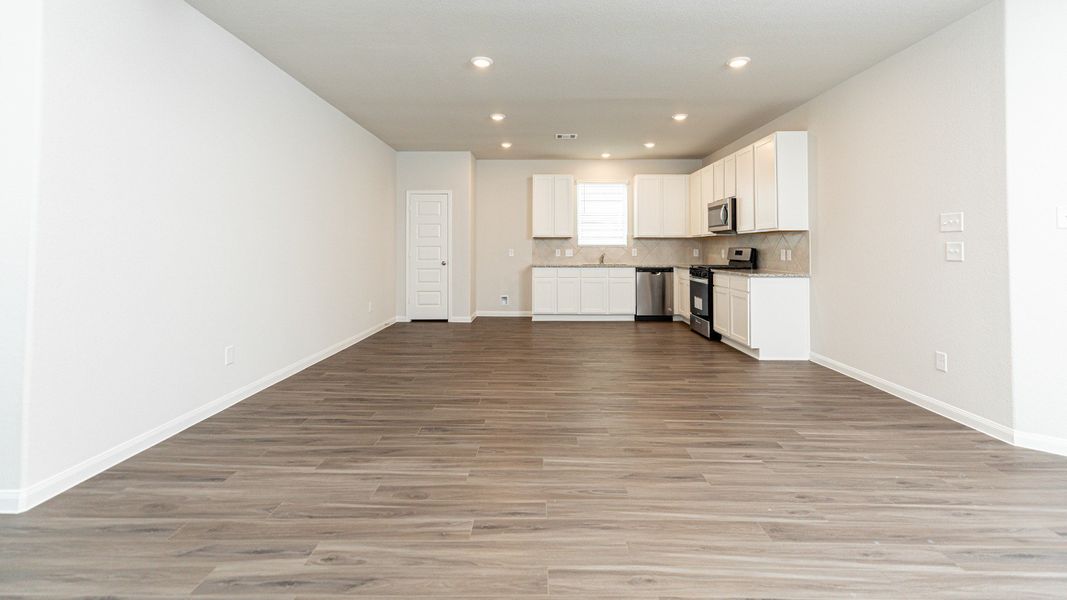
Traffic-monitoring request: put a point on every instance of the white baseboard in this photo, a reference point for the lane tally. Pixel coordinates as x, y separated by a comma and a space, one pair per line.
400, 319
12, 501
505, 313
583, 317
963, 417
1042, 442
740, 347
469, 319
9, 501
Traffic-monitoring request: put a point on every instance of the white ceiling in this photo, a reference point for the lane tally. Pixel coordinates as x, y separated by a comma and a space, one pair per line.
612, 71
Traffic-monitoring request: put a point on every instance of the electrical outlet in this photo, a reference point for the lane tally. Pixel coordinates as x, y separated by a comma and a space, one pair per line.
511, 252
504, 299
789, 254
941, 361
951, 221
954, 251
370, 306
570, 252
782, 254
1061, 216
557, 251
722, 253
696, 252
228, 355
633, 251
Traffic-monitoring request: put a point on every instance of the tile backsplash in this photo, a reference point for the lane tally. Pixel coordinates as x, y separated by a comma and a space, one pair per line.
680, 251
649, 252
768, 249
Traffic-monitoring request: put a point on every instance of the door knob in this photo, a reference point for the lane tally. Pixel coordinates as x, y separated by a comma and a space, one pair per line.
444, 262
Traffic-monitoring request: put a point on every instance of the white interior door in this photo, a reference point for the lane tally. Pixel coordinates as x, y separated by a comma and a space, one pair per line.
428, 231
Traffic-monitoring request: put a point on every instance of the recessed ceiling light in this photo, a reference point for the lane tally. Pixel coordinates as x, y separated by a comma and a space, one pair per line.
482, 62
679, 116
650, 144
605, 155
497, 116
738, 61
505, 145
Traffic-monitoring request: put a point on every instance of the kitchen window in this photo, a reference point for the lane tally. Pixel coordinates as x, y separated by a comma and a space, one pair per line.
602, 212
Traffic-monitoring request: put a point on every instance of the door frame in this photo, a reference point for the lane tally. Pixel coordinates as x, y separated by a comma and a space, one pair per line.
408, 287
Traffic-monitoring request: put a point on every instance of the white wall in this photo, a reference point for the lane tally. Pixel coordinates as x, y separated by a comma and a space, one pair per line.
20, 58
452, 171
503, 208
1036, 50
915, 135
192, 196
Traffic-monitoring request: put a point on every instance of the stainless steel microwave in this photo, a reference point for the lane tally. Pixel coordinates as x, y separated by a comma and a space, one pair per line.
721, 216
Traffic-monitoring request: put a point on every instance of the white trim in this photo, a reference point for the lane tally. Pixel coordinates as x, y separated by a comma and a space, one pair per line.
505, 313
583, 317
30, 496
1042, 442
9, 501
743, 349
400, 319
963, 417
407, 250
469, 319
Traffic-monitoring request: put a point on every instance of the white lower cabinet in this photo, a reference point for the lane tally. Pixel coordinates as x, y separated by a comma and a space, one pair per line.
584, 293
767, 317
681, 293
594, 300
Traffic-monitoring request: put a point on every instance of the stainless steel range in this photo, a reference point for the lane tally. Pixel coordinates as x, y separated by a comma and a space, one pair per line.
700, 309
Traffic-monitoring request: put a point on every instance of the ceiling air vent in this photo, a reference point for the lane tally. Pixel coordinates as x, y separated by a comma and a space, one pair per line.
566, 136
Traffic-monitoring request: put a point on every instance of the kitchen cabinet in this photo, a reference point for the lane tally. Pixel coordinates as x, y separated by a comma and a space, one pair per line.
594, 295
780, 182
584, 293
661, 205
729, 176
745, 208
568, 291
766, 317
681, 293
720, 310
544, 291
622, 292
718, 175
698, 214
707, 188
553, 210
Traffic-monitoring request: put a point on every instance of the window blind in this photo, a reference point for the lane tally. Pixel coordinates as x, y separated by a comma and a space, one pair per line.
602, 214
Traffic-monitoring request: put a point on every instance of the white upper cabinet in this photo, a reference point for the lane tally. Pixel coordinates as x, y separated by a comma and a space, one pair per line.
707, 187
718, 173
698, 215
780, 181
745, 210
661, 205
553, 206
729, 176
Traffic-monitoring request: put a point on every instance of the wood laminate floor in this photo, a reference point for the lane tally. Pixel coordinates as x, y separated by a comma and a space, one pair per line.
515, 461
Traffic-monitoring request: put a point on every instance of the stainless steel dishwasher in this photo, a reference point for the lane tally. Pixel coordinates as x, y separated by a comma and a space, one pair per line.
655, 294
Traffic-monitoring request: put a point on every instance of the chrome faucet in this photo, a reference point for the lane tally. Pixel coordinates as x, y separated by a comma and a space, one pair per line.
602, 258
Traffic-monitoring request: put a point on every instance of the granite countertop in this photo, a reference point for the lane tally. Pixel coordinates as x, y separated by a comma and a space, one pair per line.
758, 273
605, 265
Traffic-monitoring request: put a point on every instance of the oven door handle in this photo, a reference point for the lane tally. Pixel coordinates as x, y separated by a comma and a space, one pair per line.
698, 279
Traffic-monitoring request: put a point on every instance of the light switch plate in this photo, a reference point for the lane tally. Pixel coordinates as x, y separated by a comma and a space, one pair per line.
1061, 216
781, 254
954, 251
228, 355
789, 254
951, 221
511, 252
570, 252
941, 361
696, 252
557, 251
633, 252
